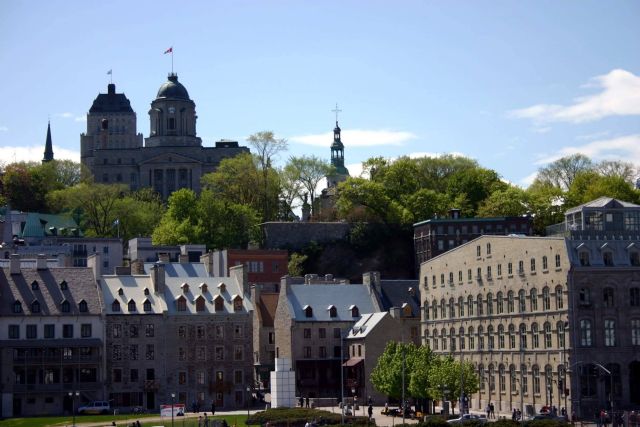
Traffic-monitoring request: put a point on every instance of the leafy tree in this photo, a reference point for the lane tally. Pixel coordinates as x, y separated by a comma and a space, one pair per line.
387, 377
563, 171
511, 201
425, 204
309, 171
546, 203
296, 264
448, 376
617, 168
290, 190
372, 196
476, 184
267, 146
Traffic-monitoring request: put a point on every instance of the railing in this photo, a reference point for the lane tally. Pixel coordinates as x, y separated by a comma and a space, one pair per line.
56, 359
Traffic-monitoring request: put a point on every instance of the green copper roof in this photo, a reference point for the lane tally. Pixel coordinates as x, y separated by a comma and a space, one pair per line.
40, 225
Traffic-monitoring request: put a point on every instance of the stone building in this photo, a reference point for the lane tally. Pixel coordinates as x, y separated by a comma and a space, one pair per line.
172, 328
313, 317
51, 339
436, 236
171, 158
546, 320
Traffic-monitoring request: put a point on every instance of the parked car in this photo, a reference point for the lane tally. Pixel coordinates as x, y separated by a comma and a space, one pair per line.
468, 417
95, 407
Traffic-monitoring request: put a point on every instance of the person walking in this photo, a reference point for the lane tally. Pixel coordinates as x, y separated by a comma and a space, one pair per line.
370, 411
307, 402
213, 408
492, 410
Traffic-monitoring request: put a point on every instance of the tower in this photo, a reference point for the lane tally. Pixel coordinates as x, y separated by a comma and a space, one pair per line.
340, 172
48, 146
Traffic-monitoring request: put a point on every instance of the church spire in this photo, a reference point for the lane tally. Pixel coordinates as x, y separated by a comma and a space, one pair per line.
48, 146
337, 155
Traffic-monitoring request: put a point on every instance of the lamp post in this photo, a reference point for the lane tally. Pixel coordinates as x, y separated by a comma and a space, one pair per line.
248, 391
173, 398
73, 395
342, 407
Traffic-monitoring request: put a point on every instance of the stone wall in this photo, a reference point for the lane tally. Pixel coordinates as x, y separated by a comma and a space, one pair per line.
297, 235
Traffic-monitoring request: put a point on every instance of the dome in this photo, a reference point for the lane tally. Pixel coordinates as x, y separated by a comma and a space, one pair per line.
173, 89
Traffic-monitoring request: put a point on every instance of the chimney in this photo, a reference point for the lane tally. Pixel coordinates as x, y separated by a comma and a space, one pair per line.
137, 266
372, 279
123, 271
454, 213
183, 258
41, 262
207, 260
111, 89
14, 264
241, 276
157, 277
94, 263
164, 257
395, 312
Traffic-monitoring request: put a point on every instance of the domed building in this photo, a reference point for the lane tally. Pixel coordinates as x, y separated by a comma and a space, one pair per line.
172, 157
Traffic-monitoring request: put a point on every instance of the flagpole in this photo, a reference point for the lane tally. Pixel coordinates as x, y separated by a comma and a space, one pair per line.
171, 59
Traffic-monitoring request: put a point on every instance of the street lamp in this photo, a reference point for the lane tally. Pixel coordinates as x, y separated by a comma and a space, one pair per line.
248, 391
173, 398
73, 395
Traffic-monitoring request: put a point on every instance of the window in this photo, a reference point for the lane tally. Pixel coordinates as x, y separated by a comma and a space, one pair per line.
523, 336
67, 331
488, 248
510, 269
472, 344
323, 352
533, 296
355, 311
634, 297
49, 330
535, 373
14, 332
238, 331
35, 307
499, 303
307, 352
469, 275
525, 379
200, 377
512, 379
442, 279
219, 353
131, 306
585, 333
545, 263
499, 270
133, 352
200, 332
489, 304
584, 258
488, 272
635, 332
522, 301
146, 306
557, 260
546, 299
460, 276
470, 305
117, 375
609, 333
634, 258
32, 331
150, 353
607, 297
561, 336
115, 306
333, 312
148, 330
133, 376
533, 265
547, 335
181, 304
82, 306
219, 331
588, 380
461, 338
65, 306
460, 307
490, 338
238, 377
500, 336
478, 253
85, 330
520, 267
559, 300
443, 313
201, 353
607, 258
584, 297
116, 331
307, 333
336, 333
237, 304
479, 305
451, 278
501, 379
17, 307
63, 285
535, 336
116, 352
308, 311
510, 302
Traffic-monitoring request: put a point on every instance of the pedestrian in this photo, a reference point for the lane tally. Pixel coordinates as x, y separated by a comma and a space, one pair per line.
370, 411
488, 411
307, 402
301, 401
193, 407
206, 420
513, 414
200, 421
492, 410
213, 408
137, 423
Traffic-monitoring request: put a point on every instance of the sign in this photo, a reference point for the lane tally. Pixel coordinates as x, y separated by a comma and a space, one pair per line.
178, 410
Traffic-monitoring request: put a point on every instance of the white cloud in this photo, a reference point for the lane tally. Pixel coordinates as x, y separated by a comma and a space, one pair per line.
619, 96
625, 148
35, 153
544, 129
357, 138
80, 119
65, 115
4, 129
528, 180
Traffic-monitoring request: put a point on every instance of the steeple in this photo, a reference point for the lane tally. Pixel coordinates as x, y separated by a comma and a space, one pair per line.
48, 146
337, 155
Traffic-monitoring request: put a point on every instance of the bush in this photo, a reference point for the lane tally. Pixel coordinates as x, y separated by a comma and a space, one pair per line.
434, 421
298, 417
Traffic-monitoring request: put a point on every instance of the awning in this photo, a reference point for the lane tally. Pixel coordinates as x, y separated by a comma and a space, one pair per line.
353, 361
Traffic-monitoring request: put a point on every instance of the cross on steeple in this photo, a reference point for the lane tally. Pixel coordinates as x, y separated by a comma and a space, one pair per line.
336, 110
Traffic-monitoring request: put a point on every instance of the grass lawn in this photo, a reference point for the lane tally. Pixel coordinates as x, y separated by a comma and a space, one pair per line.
121, 421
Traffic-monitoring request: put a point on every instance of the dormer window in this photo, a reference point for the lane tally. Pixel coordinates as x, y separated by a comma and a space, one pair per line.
222, 287
115, 306
607, 258
35, 307
583, 256
203, 288
185, 288
34, 285
200, 302
65, 306
406, 310
218, 303
634, 258
17, 307
82, 306
237, 303
146, 291
146, 305
355, 312
63, 285
120, 291
308, 311
333, 312
132, 306
181, 303
412, 292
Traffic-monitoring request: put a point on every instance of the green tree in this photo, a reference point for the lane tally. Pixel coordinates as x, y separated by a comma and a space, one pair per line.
372, 196
296, 264
563, 171
449, 377
309, 171
387, 376
267, 146
510, 201
546, 203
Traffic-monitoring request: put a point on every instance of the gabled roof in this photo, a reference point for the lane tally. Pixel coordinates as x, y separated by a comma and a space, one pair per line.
320, 296
603, 203
190, 269
395, 293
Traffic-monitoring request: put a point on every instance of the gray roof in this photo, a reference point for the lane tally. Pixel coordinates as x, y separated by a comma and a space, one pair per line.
49, 293
366, 324
396, 293
111, 102
603, 202
173, 89
191, 269
619, 249
321, 297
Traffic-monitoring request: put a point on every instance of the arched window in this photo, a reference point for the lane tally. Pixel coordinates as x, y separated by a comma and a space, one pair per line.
522, 301
131, 306
65, 306
510, 302
200, 302
443, 309
181, 303
34, 285
559, 300
434, 337
583, 256
238, 303
548, 379
483, 378
533, 296
523, 336
525, 379
17, 307
501, 379
82, 306
452, 308
355, 311
561, 334
546, 299
607, 258
308, 311
443, 338
461, 307
479, 305
218, 303
470, 305
547, 335
490, 337
535, 336
452, 339
535, 373
492, 378
607, 297
471, 337
434, 309
512, 379
500, 336
35, 306
115, 306
489, 304
499, 303
426, 307
461, 337
146, 306
480, 338
584, 297
63, 285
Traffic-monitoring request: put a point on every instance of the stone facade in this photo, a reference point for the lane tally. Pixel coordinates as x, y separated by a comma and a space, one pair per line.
171, 158
298, 235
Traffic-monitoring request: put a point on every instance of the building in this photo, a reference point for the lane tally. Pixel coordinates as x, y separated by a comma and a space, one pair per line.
340, 173
171, 158
436, 236
51, 339
546, 320
313, 317
265, 301
143, 249
264, 266
173, 328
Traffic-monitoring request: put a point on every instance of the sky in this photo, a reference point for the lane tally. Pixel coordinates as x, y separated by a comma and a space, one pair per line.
512, 84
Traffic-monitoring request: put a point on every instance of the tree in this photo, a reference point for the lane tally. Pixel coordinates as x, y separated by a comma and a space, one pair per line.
290, 191
563, 171
267, 146
511, 201
309, 170
617, 168
372, 196
296, 264
448, 378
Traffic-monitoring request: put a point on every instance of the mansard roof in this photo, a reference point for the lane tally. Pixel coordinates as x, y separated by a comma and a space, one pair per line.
320, 296
111, 102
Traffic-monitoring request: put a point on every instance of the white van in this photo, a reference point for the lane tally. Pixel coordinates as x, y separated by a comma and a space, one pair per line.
95, 407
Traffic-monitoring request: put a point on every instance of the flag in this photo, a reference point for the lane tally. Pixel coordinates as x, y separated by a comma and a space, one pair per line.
109, 72
170, 50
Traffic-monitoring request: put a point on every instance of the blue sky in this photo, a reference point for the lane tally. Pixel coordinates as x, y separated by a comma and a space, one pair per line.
512, 84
